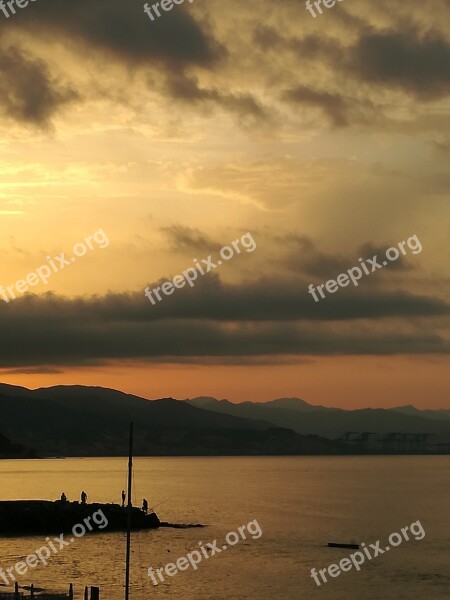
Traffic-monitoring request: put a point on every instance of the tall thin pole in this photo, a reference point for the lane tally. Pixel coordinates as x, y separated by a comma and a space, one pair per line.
129, 505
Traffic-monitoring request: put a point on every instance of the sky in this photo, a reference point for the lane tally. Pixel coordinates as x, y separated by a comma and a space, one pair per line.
323, 140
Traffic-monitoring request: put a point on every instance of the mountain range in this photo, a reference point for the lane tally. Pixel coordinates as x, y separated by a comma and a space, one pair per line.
333, 423
93, 421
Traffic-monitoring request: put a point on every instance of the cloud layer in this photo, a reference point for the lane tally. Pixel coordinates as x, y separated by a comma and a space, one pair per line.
350, 71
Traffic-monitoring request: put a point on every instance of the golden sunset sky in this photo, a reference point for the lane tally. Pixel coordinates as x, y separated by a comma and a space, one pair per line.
328, 139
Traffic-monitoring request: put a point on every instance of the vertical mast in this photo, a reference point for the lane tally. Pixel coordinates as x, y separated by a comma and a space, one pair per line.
129, 505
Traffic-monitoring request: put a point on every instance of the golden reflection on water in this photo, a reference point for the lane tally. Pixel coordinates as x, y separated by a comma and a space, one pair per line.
301, 503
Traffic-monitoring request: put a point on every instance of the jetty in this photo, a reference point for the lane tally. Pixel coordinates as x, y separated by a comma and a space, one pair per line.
32, 517
45, 517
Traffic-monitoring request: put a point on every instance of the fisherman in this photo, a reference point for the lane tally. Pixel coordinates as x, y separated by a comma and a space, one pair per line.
144, 506
83, 497
123, 498
63, 497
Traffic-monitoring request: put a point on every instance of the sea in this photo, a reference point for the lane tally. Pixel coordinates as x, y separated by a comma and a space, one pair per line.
299, 504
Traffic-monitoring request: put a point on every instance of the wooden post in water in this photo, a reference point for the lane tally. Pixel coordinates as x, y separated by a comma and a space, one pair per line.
86, 593
32, 590
129, 505
71, 591
16, 590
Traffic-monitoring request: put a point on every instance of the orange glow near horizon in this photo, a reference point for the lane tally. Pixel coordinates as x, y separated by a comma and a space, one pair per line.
318, 137
344, 382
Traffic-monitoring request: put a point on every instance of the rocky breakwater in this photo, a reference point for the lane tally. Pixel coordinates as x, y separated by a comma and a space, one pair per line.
29, 517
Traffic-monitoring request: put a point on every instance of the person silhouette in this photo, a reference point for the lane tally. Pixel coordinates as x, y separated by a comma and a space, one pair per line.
63, 497
83, 497
123, 498
144, 506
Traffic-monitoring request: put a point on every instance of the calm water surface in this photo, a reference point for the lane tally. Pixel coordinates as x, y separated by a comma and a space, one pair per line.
301, 503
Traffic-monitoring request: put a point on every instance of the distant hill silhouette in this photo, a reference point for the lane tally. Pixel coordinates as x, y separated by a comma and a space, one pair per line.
93, 421
9, 449
294, 404
332, 423
439, 415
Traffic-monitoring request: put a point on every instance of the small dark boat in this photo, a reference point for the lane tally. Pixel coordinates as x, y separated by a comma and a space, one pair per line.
337, 545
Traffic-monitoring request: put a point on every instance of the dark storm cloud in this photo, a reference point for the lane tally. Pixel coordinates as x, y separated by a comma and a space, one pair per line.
97, 343
113, 29
187, 89
28, 93
333, 105
312, 46
212, 319
369, 250
304, 257
122, 29
338, 109
189, 239
417, 64
285, 299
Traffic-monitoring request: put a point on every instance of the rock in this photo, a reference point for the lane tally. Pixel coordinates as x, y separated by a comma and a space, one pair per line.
28, 517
